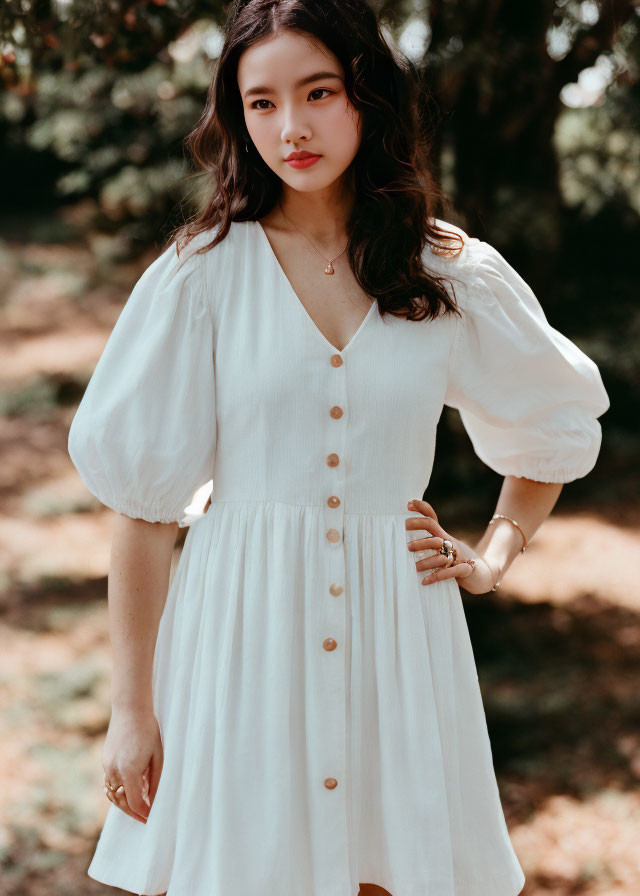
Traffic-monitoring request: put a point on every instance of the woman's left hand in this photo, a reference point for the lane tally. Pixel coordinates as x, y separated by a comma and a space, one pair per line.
476, 580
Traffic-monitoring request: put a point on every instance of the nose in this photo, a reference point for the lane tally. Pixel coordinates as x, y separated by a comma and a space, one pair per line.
294, 128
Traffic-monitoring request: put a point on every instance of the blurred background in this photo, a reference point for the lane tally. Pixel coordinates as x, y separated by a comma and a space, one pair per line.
537, 142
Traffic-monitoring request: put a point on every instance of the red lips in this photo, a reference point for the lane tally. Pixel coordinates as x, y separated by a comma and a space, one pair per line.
300, 155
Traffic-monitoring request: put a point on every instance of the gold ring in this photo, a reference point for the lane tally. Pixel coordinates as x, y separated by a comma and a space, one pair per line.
113, 789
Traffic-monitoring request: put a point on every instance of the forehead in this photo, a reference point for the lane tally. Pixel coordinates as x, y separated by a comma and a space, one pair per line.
285, 59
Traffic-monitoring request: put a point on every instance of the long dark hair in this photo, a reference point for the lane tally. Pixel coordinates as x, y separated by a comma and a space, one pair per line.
397, 197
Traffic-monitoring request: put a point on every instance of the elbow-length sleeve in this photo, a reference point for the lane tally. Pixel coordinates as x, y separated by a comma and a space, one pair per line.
144, 435
528, 397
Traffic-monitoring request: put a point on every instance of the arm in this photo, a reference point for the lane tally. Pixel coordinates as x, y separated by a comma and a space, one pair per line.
144, 452
529, 399
138, 583
525, 500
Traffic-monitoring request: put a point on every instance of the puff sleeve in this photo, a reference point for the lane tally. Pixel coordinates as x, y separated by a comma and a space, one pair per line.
144, 435
528, 397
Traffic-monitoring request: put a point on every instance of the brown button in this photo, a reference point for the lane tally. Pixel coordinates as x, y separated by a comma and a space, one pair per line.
333, 460
333, 535
330, 783
336, 590
336, 412
333, 501
336, 361
329, 644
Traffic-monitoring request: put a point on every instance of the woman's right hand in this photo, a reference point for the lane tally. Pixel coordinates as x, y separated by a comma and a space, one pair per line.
132, 755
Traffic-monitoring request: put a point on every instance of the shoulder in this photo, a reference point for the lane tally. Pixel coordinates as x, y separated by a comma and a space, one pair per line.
455, 259
177, 275
475, 264
457, 253
201, 250
195, 266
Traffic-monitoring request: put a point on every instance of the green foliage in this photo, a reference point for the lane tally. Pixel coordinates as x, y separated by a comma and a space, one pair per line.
116, 131
108, 90
98, 97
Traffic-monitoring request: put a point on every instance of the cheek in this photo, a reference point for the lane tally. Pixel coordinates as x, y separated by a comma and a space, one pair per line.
342, 123
261, 132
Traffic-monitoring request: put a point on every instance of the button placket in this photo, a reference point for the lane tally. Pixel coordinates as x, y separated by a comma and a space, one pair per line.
332, 646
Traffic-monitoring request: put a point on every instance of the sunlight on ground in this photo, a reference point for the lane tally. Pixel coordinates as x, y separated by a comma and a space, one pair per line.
591, 845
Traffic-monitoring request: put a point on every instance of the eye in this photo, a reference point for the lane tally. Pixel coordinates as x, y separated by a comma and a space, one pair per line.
254, 104
320, 90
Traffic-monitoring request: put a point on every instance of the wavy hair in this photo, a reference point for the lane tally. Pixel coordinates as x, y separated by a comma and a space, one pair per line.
397, 197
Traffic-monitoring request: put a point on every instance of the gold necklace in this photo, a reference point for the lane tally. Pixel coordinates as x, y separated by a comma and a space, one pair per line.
329, 268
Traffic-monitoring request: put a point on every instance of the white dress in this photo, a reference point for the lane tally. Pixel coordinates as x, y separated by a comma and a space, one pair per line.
319, 707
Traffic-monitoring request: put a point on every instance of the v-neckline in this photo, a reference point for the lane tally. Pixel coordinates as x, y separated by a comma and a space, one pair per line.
293, 295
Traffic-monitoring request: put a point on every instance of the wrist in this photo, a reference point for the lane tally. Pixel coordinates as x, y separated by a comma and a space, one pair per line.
495, 571
136, 705
498, 547
502, 518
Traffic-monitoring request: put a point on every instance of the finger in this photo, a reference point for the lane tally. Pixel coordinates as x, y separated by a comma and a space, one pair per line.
451, 572
155, 770
464, 569
426, 523
423, 507
434, 562
123, 803
119, 800
430, 542
112, 780
133, 785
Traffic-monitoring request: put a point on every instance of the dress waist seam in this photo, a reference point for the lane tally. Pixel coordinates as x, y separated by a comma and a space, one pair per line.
307, 504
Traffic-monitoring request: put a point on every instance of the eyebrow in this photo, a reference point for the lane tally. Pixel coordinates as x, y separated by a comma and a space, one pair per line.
253, 91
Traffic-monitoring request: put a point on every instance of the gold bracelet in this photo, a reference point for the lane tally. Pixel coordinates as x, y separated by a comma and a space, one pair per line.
502, 516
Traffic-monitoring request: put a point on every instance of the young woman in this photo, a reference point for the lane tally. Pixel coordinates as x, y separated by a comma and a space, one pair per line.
298, 712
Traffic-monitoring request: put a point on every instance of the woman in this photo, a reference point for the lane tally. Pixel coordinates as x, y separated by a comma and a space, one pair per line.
298, 712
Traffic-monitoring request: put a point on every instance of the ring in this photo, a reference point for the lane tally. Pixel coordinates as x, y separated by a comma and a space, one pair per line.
111, 788
112, 795
449, 552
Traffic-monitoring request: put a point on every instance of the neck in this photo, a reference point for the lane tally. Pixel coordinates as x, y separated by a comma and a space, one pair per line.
322, 215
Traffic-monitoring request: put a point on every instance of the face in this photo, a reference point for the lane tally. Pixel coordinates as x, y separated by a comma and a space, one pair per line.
294, 101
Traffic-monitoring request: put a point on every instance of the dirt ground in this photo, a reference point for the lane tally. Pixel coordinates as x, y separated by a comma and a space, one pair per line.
556, 646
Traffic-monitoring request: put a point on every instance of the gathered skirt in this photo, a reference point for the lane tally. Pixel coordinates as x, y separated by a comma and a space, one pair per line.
313, 740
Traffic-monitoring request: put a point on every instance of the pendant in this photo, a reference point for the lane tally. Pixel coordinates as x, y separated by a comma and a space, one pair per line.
329, 269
